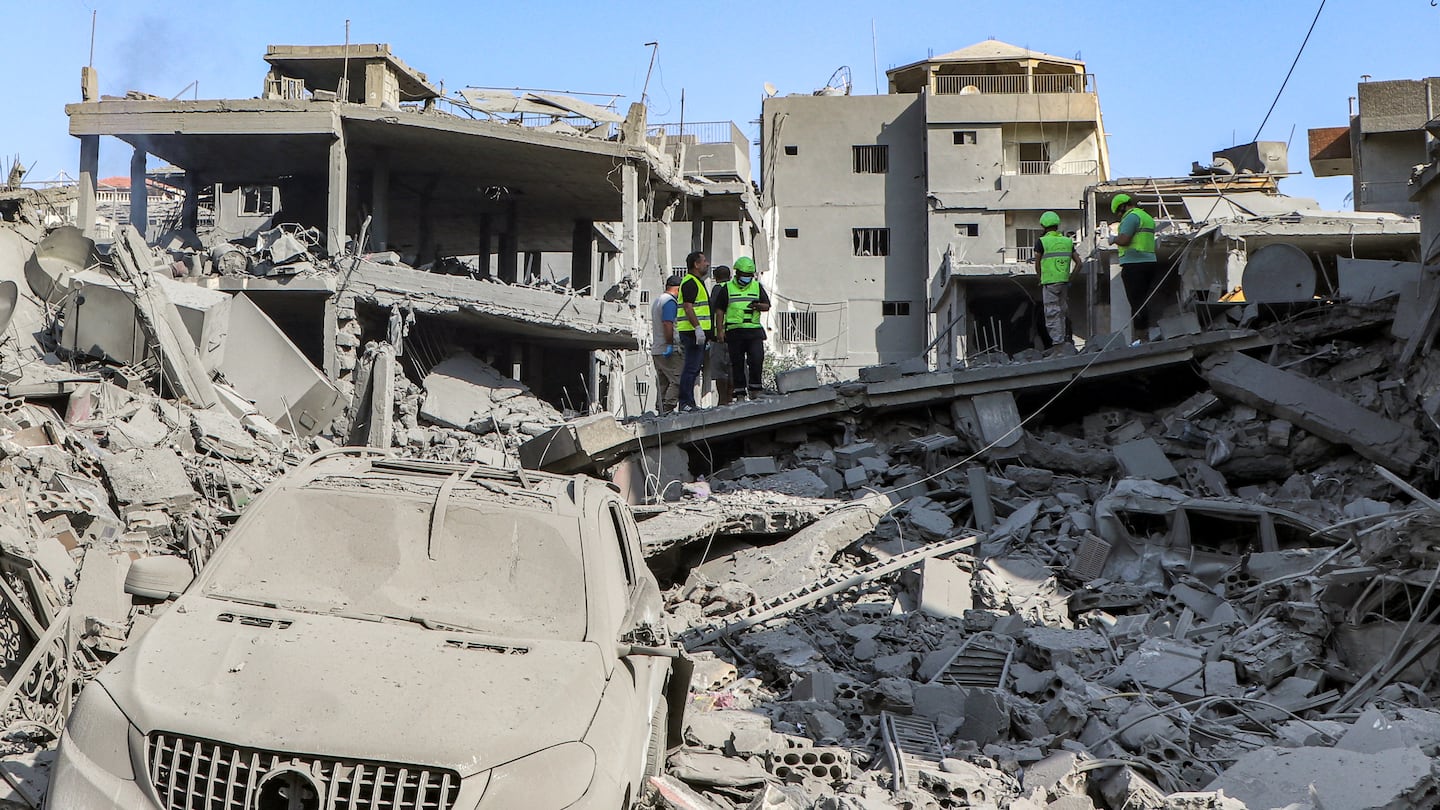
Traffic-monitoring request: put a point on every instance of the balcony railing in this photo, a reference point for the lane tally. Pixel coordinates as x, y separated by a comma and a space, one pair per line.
1017, 255
697, 132
1081, 167
951, 85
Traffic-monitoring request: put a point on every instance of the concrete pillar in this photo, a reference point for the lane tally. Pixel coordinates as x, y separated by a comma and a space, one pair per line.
630, 227
380, 201
331, 353
509, 263
89, 172
483, 249
707, 241
190, 208
582, 256
697, 230
338, 180
139, 193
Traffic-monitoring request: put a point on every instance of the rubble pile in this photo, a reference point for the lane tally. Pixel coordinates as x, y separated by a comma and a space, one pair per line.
1228, 601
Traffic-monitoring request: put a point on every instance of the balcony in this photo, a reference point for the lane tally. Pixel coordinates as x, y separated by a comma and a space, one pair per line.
954, 85
1075, 167
714, 149
1018, 255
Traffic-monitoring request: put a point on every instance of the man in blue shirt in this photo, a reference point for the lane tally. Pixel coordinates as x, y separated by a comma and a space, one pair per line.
665, 348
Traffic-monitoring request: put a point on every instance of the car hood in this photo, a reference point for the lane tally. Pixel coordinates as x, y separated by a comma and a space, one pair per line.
357, 689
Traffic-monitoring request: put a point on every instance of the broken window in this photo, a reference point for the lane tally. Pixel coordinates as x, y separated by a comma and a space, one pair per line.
1034, 158
967, 229
891, 309
871, 241
799, 327
258, 200
642, 389
644, 296
871, 159
964, 137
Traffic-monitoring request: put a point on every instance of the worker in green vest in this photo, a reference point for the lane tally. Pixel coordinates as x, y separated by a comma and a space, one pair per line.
737, 306
693, 325
1139, 268
1055, 260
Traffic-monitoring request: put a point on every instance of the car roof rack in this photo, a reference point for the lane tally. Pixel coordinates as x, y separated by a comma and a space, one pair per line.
469, 471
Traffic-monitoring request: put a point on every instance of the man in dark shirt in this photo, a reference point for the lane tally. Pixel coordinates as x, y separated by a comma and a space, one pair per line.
736, 308
693, 324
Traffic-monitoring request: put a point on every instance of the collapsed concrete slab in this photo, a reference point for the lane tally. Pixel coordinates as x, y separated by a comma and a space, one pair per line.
274, 374
682, 525
1320, 778
1311, 406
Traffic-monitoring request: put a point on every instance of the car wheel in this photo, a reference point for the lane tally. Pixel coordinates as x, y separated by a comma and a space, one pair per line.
659, 728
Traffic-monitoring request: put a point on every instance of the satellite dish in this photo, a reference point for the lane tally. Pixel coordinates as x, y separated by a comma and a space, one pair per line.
9, 294
1278, 273
770, 90
969, 90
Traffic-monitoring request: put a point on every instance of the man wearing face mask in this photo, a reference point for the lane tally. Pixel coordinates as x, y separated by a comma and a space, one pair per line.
737, 306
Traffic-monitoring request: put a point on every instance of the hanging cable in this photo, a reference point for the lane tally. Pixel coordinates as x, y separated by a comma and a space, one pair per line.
1288, 73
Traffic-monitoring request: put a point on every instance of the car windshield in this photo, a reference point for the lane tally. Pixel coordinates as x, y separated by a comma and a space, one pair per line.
492, 567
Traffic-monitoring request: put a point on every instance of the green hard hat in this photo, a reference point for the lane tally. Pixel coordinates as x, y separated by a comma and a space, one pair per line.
1049, 219
1119, 202
745, 266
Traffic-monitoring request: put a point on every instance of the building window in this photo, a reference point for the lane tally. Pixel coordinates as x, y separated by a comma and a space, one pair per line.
871, 159
871, 241
791, 149
792, 233
642, 389
644, 296
1034, 158
257, 200
967, 229
799, 327
894, 308
964, 137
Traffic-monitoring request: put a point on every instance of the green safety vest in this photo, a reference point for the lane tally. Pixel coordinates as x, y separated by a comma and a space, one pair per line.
702, 307
1144, 239
1055, 261
737, 315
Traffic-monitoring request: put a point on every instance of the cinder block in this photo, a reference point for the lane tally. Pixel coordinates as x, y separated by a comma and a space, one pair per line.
805, 378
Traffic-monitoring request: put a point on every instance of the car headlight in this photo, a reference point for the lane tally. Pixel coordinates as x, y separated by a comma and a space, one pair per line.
101, 732
556, 777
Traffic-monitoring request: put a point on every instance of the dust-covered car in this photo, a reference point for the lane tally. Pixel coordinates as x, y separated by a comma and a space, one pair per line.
387, 633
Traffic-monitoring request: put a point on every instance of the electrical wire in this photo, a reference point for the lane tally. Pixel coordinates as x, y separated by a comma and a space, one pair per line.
1289, 72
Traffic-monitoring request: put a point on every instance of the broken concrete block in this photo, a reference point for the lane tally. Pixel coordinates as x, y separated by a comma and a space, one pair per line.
753, 465
580, 444
148, 477
805, 378
818, 686
1167, 664
931, 523
990, 420
1030, 479
220, 433
935, 700
271, 371
914, 365
1185, 323
987, 719
881, 373
849, 455
1330, 777
1143, 458
824, 726
945, 589
855, 477
711, 768
1312, 407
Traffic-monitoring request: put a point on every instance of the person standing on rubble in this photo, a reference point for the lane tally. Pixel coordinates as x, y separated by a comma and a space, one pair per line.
737, 306
1139, 269
665, 349
717, 362
1055, 260
694, 326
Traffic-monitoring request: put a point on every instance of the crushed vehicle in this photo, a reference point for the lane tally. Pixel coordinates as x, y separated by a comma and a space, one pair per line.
383, 632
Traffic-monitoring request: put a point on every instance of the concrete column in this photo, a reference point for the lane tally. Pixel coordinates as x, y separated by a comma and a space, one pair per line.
483, 249
707, 241
331, 356
190, 208
630, 226
139, 193
337, 205
89, 172
510, 244
582, 256
697, 229
380, 201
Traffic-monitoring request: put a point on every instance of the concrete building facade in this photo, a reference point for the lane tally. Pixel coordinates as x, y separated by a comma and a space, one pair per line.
903, 224
1385, 141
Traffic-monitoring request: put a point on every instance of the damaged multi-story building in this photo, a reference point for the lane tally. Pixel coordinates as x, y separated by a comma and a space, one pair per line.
514, 228
1383, 143
903, 222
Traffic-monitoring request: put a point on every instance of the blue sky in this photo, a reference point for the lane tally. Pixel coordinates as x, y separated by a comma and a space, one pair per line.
1186, 79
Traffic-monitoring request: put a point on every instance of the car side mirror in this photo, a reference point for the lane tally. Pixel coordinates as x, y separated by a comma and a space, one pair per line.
158, 577
624, 649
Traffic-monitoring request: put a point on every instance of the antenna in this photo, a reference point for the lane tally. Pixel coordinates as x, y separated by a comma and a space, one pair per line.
874, 56
93, 14
345, 71
654, 51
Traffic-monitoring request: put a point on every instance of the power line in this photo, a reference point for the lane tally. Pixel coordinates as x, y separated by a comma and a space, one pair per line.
1288, 73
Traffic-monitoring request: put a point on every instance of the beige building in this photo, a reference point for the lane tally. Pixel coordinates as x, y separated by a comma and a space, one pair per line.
903, 224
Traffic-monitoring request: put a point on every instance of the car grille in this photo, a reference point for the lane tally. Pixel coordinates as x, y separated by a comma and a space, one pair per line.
194, 774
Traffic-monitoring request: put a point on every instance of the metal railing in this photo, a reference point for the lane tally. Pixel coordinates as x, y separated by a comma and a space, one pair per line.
697, 132
1075, 167
950, 85
1020, 255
